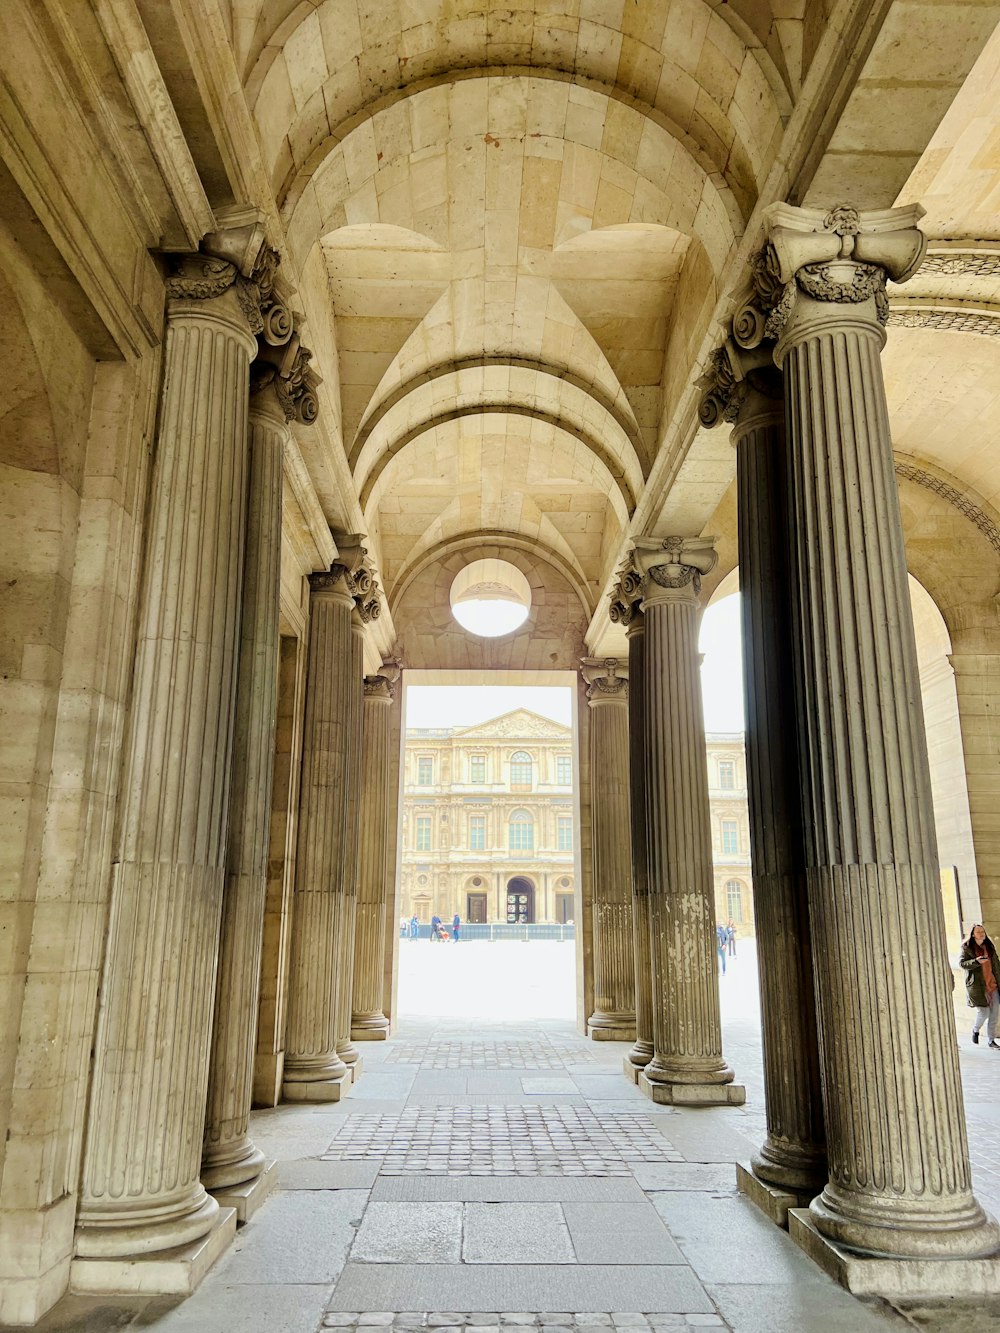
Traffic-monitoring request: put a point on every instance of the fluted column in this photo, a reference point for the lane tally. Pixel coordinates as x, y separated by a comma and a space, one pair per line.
232, 1167
613, 1018
141, 1191
354, 686
899, 1167
368, 1022
314, 1070
747, 390
626, 609
687, 1063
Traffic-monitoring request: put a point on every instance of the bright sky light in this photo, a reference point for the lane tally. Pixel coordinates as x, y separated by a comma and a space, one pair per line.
465, 705
489, 618
721, 683
722, 669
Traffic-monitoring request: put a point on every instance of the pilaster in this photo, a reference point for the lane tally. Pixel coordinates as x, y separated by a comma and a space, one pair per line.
899, 1183
141, 1193
687, 1064
368, 1022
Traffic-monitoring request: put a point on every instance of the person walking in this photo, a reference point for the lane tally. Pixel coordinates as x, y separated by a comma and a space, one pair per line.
456, 922
720, 942
435, 927
414, 926
982, 981
731, 937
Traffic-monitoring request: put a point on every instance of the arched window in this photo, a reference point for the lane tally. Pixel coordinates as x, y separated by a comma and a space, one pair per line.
520, 771
734, 900
521, 833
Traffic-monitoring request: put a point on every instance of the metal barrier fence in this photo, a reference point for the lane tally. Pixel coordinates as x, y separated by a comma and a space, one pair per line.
496, 932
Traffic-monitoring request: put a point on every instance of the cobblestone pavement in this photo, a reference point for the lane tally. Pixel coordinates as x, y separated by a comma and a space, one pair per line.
465, 1054
585, 1322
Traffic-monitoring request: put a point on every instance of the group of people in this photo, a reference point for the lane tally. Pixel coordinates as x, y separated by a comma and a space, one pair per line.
726, 942
439, 931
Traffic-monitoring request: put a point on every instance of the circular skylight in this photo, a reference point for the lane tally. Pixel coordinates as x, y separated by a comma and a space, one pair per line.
490, 598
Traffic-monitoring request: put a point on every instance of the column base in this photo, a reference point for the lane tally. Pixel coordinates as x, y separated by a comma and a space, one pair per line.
904, 1279
356, 1069
269, 1074
245, 1199
166, 1273
770, 1199
631, 1071
623, 1033
692, 1094
323, 1090
372, 1027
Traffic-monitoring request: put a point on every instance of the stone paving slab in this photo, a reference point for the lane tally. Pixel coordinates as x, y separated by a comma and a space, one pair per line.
495, 1099
300, 1236
502, 1189
516, 1233
704, 1136
529, 1287
805, 1308
247, 1308
719, 1177
619, 1233
313, 1173
483, 1322
408, 1233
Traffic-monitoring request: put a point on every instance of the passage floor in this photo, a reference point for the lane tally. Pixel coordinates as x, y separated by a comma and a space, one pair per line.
486, 1174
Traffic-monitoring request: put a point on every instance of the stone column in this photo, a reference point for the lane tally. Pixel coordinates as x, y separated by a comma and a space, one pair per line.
314, 1071
977, 689
791, 1163
613, 1018
899, 1181
232, 1167
626, 609
141, 1192
687, 1064
368, 1022
354, 687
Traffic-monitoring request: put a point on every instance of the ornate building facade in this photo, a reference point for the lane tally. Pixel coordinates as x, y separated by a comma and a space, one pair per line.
489, 822
311, 307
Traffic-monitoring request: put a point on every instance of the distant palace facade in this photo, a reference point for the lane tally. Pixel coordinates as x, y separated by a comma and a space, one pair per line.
490, 827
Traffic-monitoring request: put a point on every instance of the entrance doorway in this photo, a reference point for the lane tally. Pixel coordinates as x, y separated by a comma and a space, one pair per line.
475, 908
520, 901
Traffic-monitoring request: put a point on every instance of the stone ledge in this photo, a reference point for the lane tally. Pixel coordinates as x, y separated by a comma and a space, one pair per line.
630, 1070
168, 1273
328, 1090
773, 1201
356, 1069
905, 1279
611, 1034
692, 1094
245, 1199
370, 1034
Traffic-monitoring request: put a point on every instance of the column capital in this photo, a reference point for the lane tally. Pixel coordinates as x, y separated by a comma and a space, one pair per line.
382, 687
607, 679
282, 374
626, 597
672, 567
740, 385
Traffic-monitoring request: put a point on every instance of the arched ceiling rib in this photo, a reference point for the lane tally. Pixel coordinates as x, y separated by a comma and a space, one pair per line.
685, 63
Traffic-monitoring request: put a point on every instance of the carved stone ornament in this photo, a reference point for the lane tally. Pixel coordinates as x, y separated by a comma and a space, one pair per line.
200, 277
675, 563
839, 255
607, 679
380, 687
963, 263
626, 596
724, 392
330, 580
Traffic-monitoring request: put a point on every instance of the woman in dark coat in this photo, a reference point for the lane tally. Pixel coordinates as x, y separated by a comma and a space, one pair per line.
982, 981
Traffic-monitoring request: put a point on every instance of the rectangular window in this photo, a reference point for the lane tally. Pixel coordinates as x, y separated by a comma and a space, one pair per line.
423, 833
730, 837
477, 768
477, 833
727, 774
425, 771
522, 836
564, 770
564, 833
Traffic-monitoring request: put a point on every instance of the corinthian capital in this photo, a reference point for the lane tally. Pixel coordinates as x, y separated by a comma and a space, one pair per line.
737, 379
607, 679
673, 566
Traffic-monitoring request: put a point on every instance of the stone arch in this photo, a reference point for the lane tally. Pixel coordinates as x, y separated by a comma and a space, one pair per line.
551, 639
708, 81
